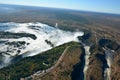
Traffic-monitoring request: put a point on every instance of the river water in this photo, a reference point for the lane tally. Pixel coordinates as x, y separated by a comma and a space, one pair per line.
87, 55
109, 58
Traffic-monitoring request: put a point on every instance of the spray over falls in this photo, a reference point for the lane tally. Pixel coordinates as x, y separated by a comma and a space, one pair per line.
29, 39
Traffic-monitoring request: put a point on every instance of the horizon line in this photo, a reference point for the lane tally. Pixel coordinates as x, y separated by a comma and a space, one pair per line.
62, 8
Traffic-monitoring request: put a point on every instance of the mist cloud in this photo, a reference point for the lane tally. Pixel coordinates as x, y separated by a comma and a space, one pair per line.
43, 32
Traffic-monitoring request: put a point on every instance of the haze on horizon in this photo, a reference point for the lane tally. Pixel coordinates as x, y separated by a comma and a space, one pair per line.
106, 6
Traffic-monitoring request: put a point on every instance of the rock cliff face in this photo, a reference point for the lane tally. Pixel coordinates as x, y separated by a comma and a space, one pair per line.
104, 55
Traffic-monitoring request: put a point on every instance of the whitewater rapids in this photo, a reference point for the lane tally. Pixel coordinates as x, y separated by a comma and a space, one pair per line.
109, 58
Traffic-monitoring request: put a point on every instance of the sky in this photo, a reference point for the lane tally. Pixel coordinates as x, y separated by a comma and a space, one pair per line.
107, 6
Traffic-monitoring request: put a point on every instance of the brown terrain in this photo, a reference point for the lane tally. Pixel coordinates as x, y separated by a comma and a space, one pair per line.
64, 68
